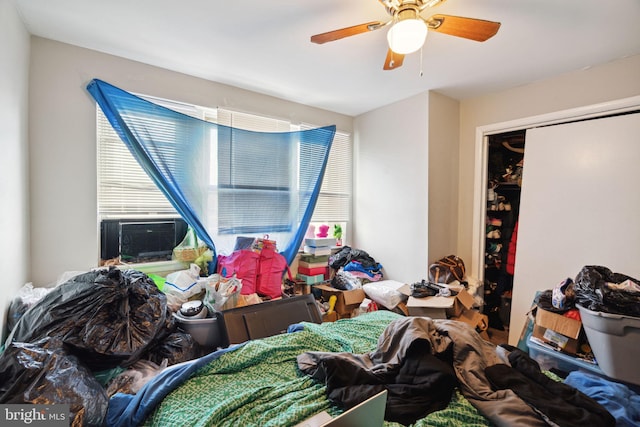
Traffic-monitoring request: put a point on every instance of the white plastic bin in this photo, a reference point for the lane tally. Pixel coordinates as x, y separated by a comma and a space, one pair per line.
615, 341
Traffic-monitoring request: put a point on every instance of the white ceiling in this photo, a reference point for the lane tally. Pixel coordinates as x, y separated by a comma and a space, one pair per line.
264, 46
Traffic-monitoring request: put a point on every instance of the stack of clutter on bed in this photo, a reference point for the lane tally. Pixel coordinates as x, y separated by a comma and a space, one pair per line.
436, 373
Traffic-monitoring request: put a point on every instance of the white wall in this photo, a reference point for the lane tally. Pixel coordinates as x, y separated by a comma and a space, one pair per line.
64, 226
392, 187
14, 219
603, 83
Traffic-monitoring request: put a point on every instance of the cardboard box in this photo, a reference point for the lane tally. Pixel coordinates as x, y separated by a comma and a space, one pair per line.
330, 317
433, 307
438, 307
346, 302
558, 330
474, 318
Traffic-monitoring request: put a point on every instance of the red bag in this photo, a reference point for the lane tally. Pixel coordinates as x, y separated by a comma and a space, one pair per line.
270, 270
260, 273
244, 264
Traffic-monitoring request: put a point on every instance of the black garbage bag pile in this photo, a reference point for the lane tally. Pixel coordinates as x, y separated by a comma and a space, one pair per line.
43, 373
96, 321
594, 291
106, 317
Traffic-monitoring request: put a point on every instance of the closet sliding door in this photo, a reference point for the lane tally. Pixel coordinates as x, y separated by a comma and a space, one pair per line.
580, 205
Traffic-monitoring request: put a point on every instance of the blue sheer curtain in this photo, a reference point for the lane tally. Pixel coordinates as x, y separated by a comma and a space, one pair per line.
225, 182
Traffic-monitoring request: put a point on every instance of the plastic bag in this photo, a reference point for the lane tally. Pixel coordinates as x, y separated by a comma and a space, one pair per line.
594, 292
183, 284
345, 281
221, 293
106, 317
345, 255
383, 294
43, 373
176, 348
26, 298
190, 248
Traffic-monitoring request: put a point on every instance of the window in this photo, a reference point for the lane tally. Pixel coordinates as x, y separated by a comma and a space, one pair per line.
245, 186
334, 203
126, 192
124, 189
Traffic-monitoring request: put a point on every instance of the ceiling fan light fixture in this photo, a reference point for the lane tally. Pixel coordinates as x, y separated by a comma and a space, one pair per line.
408, 34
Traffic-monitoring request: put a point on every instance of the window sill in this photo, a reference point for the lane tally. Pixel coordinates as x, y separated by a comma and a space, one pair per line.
160, 268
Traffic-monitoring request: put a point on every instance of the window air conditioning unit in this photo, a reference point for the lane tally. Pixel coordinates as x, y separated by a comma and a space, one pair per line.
136, 241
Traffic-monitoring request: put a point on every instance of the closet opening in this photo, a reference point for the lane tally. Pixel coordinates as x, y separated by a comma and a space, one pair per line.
505, 165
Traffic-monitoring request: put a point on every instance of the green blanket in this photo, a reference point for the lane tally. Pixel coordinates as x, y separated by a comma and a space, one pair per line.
259, 383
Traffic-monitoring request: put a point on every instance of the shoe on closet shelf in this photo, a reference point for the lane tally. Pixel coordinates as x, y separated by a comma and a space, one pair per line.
493, 234
496, 222
495, 248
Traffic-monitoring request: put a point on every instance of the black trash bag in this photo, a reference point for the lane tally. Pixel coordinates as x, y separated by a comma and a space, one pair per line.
107, 317
176, 348
593, 293
347, 254
43, 373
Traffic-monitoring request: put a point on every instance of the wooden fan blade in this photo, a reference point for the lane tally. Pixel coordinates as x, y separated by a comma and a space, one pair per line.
393, 61
468, 28
346, 32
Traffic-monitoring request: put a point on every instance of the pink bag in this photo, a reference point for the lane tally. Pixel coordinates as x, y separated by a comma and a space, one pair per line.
260, 273
270, 271
244, 264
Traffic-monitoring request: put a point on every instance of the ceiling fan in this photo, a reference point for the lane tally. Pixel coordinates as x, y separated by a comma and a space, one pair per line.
409, 30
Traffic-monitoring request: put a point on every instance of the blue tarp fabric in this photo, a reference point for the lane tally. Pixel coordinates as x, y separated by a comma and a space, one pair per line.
208, 171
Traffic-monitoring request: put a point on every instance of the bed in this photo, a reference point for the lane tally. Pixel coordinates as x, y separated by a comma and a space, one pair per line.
258, 383
262, 383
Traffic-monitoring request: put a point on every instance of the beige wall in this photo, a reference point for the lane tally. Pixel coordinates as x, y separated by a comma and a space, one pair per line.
392, 187
64, 226
14, 186
444, 125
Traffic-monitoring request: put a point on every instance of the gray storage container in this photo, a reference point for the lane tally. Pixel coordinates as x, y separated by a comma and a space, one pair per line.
615, 340
206, 331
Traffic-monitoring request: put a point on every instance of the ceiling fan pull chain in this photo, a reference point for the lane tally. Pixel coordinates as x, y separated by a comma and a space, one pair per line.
421, 70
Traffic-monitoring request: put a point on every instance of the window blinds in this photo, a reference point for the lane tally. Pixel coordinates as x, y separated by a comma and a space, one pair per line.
125, 190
